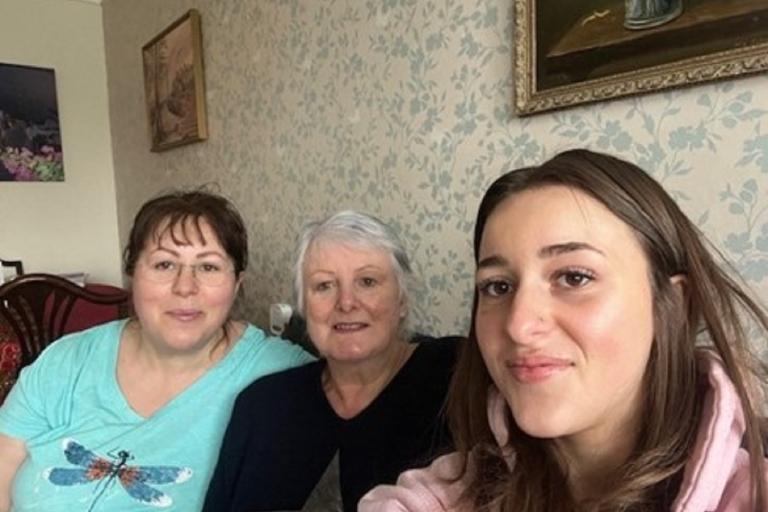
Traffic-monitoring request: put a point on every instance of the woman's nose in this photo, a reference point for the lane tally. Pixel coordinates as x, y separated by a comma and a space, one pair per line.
528, 315
185, 282
346, 299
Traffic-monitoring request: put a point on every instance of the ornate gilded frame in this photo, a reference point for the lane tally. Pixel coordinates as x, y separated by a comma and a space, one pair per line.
174, 84
531, 98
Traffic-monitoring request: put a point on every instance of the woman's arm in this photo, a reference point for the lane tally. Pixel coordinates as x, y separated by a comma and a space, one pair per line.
275, 449
234, 448
12, 454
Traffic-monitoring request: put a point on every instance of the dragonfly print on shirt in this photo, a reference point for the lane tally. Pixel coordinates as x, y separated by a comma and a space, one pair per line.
135, 480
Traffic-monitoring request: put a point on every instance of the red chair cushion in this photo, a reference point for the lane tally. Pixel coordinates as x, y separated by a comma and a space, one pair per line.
10, 358
86, 314
10, 353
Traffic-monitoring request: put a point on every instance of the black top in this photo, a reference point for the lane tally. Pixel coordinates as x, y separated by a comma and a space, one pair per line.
283, 435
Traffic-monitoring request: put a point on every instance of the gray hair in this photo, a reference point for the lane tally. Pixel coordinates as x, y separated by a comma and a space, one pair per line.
358, 230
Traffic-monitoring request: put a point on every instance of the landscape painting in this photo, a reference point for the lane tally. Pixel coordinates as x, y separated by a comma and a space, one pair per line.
174, 85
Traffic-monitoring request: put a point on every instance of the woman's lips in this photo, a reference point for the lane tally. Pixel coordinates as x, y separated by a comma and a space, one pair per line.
529, 370
185, 315
349, 326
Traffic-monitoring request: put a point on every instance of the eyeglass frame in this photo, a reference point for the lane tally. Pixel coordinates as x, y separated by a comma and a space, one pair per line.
147, 269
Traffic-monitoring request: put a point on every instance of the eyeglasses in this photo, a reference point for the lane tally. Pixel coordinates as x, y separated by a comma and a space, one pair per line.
206, 273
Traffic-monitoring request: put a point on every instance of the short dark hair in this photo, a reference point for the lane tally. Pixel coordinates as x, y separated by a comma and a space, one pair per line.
166, 213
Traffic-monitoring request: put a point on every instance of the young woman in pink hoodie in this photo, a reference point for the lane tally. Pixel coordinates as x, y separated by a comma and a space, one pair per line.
609, 366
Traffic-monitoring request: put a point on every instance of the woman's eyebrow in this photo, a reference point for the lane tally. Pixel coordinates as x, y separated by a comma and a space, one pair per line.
547, 251
491, 261
566, 247
209, 253
160, 248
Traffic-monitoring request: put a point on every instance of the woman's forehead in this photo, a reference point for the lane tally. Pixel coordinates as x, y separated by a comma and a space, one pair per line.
546, 220
182, 231
342, 252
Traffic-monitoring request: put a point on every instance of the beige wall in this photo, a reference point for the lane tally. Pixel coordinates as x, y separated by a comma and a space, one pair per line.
403, 109
69, 226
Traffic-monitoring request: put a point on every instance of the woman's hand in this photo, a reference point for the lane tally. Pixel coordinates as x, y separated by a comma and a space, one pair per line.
12, 454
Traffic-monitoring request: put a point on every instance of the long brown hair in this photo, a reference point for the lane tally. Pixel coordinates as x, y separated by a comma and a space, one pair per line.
712, 308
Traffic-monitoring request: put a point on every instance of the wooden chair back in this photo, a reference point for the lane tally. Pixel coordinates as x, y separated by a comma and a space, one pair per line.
38, 306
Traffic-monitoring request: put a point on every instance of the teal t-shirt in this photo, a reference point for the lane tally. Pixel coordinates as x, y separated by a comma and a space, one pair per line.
89, 451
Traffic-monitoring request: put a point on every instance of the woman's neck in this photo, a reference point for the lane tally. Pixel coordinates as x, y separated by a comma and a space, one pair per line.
150, 377
593, 475
351, 387
594, 456
156, 357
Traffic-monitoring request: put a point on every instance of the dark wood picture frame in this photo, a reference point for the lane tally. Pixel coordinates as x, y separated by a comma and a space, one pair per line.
174, 84
569, 53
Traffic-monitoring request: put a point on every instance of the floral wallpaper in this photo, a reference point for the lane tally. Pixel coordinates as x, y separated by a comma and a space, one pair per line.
402, 108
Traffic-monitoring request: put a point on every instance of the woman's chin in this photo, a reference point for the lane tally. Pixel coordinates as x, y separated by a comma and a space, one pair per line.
542, 426
185, 345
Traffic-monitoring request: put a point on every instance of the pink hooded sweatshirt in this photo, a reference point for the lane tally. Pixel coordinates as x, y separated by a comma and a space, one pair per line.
716, 479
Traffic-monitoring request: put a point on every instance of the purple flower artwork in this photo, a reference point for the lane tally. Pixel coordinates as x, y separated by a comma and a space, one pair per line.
30, 139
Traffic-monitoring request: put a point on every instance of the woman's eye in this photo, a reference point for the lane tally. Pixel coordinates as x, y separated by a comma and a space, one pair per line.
164, 265
322, 286
209, 268
494, 288
574, 278
368, 282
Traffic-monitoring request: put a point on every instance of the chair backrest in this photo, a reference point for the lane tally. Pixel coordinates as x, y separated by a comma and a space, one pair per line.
38, 306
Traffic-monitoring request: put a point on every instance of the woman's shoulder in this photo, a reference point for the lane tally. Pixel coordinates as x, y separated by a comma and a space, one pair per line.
433, 349
253, 355
79, 343
427, 373
261, 345
254, 334
292, 383
738, 492
449, 340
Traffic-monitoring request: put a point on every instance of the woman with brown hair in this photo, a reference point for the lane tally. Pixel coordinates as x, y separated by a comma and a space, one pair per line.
130, 414
608, 367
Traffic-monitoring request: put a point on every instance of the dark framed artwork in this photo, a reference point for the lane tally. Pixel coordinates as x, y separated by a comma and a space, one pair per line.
174, 84
30, 137
568, 53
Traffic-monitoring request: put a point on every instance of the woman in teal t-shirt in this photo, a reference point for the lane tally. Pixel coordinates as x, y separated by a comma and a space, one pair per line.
128, 416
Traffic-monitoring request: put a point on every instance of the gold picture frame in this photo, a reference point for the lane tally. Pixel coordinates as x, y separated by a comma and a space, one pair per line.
174, 84
569, 53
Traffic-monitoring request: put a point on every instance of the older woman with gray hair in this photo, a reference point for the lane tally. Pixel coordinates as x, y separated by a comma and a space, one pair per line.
320, 436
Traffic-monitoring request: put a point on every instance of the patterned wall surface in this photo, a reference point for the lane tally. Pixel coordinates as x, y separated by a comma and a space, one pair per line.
402, 108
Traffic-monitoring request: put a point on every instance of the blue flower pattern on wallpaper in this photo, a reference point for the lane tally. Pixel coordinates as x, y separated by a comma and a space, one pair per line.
403, 108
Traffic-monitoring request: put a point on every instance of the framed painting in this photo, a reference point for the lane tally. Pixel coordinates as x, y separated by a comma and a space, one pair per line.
30, 138
174, 84
568, 53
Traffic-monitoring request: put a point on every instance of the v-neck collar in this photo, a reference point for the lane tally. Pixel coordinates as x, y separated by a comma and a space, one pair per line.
179, 399
381, 397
